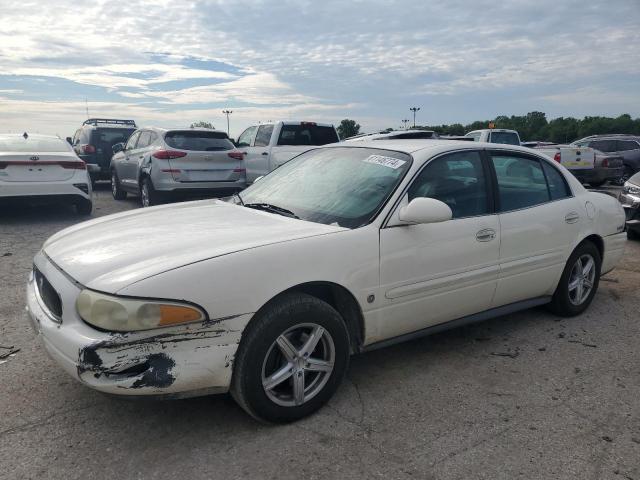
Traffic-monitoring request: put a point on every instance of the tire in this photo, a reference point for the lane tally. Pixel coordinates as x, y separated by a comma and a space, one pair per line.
84, 207
298, 318
597, 184
633, 235
116, 189
566, 301
626, 175
149, 196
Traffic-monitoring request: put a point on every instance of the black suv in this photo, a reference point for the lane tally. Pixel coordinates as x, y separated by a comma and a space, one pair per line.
625, 146
92, 142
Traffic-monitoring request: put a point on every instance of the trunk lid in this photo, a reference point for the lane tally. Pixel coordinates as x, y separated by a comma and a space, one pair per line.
38, 167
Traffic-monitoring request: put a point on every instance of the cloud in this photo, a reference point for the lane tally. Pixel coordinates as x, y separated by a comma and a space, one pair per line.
460, 60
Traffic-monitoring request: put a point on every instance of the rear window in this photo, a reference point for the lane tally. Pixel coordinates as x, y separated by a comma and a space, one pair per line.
32, 144
505, 138
111, 136
199, 141
307, 134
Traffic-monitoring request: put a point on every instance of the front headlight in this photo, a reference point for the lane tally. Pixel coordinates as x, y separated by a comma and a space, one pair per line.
110, 312
631, 188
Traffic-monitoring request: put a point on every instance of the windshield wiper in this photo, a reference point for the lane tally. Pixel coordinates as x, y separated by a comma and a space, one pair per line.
267, 207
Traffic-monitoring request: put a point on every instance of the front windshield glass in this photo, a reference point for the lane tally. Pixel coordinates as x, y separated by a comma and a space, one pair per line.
334, 186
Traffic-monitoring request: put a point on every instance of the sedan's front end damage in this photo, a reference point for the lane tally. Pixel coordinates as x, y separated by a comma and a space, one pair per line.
194, 357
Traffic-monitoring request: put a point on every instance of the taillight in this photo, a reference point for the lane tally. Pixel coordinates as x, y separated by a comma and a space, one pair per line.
88, 149
236, 155
310, 124
168, 154
556, 157
605, 163
73, 165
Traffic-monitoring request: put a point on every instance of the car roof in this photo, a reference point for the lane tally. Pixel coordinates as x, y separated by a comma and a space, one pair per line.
427, 145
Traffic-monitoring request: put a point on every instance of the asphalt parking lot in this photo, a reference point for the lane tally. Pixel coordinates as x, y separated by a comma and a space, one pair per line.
528, 395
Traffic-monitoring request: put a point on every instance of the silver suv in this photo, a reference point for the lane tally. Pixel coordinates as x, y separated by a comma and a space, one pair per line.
160, 164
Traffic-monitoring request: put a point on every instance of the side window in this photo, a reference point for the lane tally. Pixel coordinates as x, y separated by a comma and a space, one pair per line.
521, 182
604, 145
475, 136
131, 143
76, 137
145, 140
244, 140
558, 187
153, 138
264, 135
458, 180
625, 145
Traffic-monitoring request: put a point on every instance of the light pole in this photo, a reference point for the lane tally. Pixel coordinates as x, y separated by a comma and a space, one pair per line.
414, 110
227, 113
404, 123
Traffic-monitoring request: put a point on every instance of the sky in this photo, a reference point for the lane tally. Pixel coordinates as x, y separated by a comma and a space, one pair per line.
169, 62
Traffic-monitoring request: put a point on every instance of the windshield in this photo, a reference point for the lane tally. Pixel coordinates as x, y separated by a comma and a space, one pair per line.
18, 143
307, 134
335, 186
505, 138
198, 140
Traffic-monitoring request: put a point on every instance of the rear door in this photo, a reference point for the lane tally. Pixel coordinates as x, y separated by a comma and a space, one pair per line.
257, 155
125, 159
104, 139
36, 159
203, 156
539, 222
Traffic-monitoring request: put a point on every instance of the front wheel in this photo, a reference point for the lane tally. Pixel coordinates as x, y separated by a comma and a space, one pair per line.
597, 184
579, 281
116, 189
626, 175
291, 360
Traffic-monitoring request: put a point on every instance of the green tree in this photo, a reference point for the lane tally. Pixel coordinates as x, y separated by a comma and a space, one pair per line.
202, 124
348, 128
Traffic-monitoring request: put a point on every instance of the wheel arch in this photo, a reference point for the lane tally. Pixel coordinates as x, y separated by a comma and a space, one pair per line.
340, 298
597, 241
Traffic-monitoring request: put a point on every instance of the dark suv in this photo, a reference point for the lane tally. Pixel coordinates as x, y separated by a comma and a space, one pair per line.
625, 146
94, 140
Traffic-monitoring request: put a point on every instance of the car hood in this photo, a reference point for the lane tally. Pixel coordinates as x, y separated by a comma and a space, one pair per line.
112, 252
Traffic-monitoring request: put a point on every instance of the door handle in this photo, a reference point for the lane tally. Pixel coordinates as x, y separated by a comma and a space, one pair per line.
486, 235
571, 217
265, 153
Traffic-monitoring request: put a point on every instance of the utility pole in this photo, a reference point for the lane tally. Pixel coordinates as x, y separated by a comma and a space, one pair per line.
404, 123
227, 113
414, 110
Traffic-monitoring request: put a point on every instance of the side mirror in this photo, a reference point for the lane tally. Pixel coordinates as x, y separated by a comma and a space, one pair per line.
69, 140
425, 210
117, 147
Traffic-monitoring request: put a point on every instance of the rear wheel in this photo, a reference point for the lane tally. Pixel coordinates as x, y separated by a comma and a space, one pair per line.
291, 360
597, 184
116, 189
149, 196
579, 281
633, 235
84, 207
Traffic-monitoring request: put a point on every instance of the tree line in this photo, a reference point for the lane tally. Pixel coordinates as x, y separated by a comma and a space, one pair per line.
534, 126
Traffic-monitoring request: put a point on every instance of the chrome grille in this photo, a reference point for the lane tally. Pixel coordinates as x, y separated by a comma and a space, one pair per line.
48, 295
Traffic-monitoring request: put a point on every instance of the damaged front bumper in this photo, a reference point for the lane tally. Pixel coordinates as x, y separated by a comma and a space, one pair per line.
180, 361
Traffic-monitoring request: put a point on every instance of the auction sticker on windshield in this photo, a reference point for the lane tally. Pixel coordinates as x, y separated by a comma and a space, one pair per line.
385, 161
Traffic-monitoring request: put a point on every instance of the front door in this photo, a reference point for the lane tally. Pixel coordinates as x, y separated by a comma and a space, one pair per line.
438, 272
257, 157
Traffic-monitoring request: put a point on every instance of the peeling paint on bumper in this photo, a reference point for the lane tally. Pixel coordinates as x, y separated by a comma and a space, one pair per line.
170, 361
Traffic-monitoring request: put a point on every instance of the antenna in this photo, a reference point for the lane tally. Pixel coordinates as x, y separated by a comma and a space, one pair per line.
86, 104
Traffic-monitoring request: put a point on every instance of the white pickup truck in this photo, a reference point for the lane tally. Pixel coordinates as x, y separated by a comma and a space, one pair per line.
577, 160
269, 145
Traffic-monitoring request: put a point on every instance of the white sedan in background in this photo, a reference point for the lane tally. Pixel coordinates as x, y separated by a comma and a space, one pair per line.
344, 249
42, 167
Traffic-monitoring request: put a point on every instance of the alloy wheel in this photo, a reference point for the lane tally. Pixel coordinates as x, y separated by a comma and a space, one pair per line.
581, 279
298, 364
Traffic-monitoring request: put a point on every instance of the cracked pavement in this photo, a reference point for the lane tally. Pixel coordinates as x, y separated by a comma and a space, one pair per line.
528, 395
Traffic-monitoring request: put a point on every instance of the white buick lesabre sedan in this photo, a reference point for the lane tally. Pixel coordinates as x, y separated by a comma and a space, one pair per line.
344, 249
